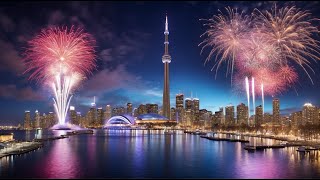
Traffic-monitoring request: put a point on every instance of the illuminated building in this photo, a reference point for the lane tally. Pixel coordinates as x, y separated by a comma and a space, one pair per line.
242, 114
207, 117
142, 109
27, 120
189, 104
152, 118
180, 109
276, 110
173, 114
196, 112
129, 109
188, 117
135, 112
119, 121
152, 108
107, 113
189, 114
219, 116
121, 110
78, 118
92, 115
43, 121
5, 137
99, 121
204, 118
51, 120
115, 111
166, 59
309, 114
73, 115
259, 115
229, 115
267, 118
37, 119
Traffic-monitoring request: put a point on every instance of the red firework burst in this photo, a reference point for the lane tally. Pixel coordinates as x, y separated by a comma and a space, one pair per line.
60, 50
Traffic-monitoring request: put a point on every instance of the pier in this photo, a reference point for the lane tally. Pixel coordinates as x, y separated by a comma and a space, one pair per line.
80, 132
50, 138
20, 148
225, 139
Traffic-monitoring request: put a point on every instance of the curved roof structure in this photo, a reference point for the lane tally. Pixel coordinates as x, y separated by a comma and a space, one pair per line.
122, 120
151, 116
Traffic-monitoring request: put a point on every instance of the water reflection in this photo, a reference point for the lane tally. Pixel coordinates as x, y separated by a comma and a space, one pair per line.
61, 161
153, 154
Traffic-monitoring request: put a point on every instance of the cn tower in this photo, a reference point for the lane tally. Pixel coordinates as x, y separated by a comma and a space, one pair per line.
166, 59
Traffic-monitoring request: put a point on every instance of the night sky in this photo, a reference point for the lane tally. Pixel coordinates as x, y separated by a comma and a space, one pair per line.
130, 46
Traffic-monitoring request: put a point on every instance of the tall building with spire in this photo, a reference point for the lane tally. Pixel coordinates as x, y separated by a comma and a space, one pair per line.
166, 59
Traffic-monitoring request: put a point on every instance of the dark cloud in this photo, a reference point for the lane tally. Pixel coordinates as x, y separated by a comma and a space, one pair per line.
56, 17
11, 91
6, 23
109, 80
10, 61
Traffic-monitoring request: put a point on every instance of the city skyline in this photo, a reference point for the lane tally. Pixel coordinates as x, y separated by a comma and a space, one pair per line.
130, 68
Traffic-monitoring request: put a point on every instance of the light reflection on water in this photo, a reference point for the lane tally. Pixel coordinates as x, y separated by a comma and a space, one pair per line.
153, 154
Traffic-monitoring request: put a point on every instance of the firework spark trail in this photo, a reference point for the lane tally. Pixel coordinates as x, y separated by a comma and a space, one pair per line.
269, 41
248, 96
262, 96
61, 58
253, 96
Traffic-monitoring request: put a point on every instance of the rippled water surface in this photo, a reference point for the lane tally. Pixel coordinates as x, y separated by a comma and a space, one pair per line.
153, 154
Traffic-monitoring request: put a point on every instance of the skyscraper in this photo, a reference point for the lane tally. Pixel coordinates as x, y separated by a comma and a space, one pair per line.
173, 113
73, 115
180, 109
99, 121
79, 117
37, 119
309, 114
166, 59
43, 120
196, 103
230, 115
107, 114
259, 115
27, 120
129, 108
242, 114
152, 108
276, 110
189, 114
51, 119
142, 109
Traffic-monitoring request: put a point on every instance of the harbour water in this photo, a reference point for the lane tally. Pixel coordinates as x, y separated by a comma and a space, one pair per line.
153, 154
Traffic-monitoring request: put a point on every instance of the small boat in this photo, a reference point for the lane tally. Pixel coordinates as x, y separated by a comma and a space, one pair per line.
283, 142
302, 149
250, 148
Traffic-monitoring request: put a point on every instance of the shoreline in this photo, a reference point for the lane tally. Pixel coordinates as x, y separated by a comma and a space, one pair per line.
23, 150
290, 141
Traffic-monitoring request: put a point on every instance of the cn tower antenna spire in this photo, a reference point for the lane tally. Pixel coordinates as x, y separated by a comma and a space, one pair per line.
166, 25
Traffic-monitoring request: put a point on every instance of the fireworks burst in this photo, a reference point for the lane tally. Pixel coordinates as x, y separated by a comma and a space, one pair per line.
290, 30
224, 35
60, 58
263, 46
